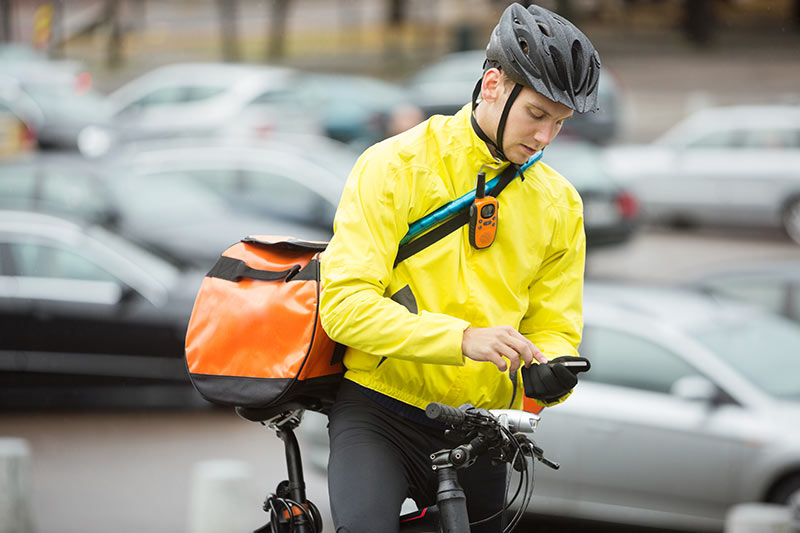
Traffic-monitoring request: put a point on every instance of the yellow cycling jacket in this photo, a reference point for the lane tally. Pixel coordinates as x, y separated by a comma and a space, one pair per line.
404, 325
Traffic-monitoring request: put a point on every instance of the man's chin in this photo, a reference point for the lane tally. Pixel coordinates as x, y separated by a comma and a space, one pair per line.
521, 155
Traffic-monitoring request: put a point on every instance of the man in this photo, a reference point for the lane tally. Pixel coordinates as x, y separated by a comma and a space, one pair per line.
453, 323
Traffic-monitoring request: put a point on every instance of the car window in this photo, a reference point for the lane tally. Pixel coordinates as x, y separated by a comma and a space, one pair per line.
165, 198
720, 139
266, 193
771, 296
276, 97
283, 196
196, 93
773, 139
163, 96
762, 348
620, 358
44, 260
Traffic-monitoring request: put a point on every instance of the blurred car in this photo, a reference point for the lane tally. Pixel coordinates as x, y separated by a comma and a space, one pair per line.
733, 166
357, 110
56, 100
86, 315
192, 200
692, 405
771, 284
191, 99
446, 86
610, 212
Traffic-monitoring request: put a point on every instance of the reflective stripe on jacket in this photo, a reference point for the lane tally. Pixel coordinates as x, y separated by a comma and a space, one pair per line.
404, 326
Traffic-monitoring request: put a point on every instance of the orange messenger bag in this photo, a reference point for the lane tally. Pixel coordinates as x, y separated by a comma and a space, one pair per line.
254, 337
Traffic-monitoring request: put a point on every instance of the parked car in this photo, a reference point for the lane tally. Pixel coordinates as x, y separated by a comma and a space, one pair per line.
87, 316
610, 212
692, 405
771, 284
446, 85
192, 99
189, 201
735, 166
357, 110
57, 100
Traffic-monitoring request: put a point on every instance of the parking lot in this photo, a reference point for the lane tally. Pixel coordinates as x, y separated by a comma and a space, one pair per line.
134, 470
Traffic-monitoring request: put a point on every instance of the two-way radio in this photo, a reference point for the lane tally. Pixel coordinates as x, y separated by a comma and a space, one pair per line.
482, 216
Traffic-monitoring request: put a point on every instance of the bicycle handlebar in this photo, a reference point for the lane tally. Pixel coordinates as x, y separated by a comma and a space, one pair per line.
515, 420
445, 414
495, 429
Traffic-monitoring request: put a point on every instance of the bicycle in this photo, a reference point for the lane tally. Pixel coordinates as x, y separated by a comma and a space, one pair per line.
501, 432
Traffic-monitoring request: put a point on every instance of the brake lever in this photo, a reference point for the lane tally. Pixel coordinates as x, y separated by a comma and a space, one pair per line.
539, 454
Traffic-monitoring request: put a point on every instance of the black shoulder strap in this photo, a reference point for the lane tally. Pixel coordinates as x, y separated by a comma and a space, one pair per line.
449, 226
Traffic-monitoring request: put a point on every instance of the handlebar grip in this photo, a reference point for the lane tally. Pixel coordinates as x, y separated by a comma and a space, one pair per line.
444, 413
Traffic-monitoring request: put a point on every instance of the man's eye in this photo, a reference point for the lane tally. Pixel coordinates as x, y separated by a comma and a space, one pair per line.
537, 117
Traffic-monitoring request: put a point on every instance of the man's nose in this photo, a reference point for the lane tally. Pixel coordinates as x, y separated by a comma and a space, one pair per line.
544, 135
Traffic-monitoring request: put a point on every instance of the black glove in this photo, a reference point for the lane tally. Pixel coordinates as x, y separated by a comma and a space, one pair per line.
552, 381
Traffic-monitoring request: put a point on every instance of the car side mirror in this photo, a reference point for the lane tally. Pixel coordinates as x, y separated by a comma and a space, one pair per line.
127, 294
695, 389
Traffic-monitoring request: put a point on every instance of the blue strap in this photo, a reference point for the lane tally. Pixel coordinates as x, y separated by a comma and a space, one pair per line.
458, 205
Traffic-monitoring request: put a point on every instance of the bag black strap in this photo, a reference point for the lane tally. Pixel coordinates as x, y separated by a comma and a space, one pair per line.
232, 269
407, 250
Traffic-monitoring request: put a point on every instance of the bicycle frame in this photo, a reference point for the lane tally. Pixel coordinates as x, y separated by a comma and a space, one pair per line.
451, 501
292, 512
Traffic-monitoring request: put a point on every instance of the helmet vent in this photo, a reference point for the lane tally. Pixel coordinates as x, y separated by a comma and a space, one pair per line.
545, 29
524, 45
560, 79
578, 65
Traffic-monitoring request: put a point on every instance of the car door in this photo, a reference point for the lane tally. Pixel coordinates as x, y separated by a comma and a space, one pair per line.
744, 173
74, 317
642, 447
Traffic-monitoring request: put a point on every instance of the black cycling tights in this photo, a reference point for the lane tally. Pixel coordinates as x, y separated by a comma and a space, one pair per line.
379, 458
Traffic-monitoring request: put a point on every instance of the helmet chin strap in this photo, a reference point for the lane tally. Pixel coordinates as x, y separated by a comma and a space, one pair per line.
501, 125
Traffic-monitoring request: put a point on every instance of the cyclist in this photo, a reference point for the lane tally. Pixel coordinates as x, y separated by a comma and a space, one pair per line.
453, 323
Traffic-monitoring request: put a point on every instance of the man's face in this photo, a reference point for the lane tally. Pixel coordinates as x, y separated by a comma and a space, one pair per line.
532, 124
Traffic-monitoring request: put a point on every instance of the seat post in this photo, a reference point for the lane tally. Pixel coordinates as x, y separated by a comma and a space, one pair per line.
294, 463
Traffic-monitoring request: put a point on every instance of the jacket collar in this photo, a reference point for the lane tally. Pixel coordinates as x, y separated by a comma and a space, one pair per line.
478, 149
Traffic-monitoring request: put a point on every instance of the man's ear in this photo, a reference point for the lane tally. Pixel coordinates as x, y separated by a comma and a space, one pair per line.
492, 85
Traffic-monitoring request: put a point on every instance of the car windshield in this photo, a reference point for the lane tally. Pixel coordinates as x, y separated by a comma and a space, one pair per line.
765, 351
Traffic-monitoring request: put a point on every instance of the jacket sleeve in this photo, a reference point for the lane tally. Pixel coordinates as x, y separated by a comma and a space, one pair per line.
357, 268
554, 321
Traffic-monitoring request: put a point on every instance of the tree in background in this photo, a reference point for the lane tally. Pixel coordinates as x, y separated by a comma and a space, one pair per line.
700, 20
6, 12
228, 11
277, 29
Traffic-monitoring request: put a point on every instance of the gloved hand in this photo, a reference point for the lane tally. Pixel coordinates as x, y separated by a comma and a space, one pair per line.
552, 381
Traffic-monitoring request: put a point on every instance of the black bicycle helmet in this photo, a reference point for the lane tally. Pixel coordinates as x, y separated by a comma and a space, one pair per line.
536, 48
541, 50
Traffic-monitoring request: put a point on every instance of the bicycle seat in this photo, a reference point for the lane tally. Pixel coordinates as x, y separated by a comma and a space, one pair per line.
261, 414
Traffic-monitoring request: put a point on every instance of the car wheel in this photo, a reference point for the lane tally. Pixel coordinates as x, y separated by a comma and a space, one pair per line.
791, 219
787, 488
